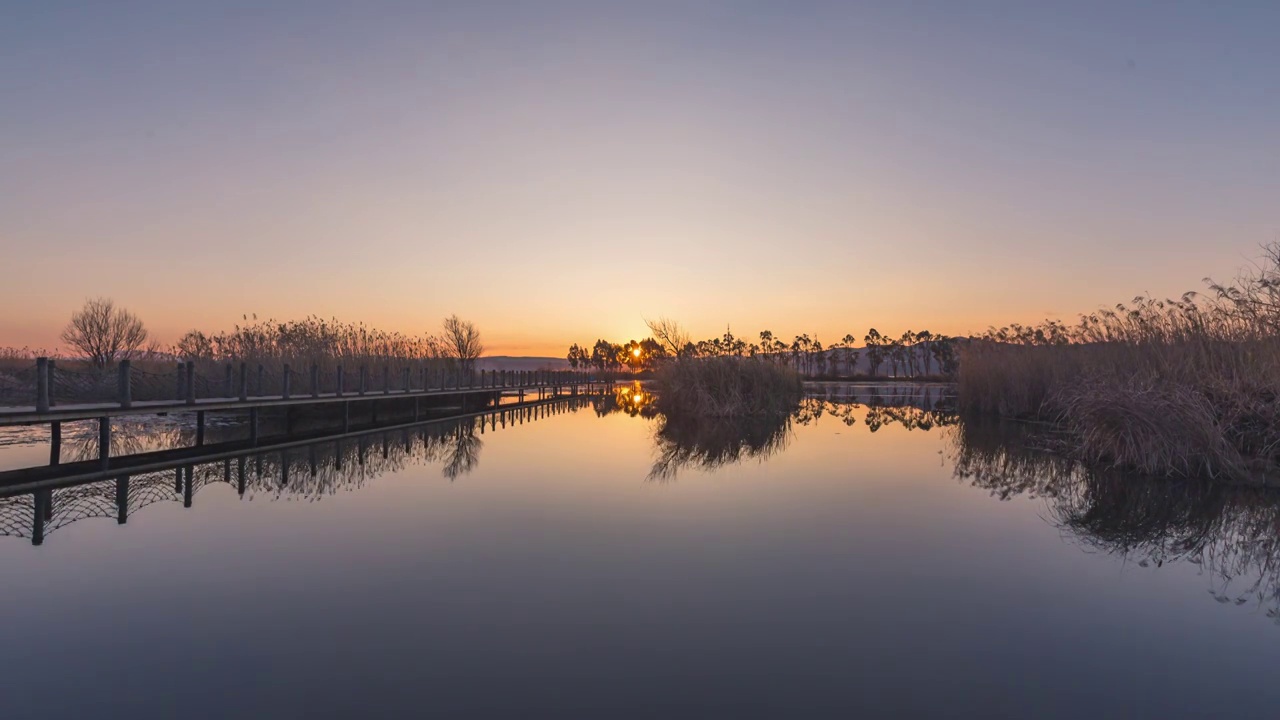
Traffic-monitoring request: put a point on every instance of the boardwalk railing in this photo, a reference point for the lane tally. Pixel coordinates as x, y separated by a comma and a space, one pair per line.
52, 393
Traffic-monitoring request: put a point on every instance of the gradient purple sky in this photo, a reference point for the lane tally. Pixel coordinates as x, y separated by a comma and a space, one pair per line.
559, 171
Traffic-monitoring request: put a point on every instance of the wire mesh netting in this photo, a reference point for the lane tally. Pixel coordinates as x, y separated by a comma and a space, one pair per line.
18, 385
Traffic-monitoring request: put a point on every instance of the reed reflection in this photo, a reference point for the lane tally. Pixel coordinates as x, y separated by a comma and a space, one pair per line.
1231, 533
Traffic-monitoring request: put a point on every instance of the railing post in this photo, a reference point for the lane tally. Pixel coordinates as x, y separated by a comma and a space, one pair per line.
191, 383
182, 376
284, 382
244, 382
53, 382
339, 385
42, 384
124, 385
315, 381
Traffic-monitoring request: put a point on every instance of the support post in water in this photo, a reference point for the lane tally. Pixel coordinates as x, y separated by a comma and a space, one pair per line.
253, 425
386, 379
43, 503
55, 442
104, 441
364, 378
339, 386
124, 384
285, 378
42, 385
191, 383
244, 382
122, 499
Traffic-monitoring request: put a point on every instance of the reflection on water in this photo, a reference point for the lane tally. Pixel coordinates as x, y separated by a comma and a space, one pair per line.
1231, 533
321, 469
704, 443
867, 555
707, 444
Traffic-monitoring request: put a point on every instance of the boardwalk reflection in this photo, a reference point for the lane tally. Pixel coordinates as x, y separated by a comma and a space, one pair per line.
311, 472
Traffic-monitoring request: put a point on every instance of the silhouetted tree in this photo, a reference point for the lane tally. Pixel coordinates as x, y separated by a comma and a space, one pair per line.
462, 342
104, 333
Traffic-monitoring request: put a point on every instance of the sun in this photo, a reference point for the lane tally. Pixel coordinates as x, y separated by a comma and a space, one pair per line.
636, 352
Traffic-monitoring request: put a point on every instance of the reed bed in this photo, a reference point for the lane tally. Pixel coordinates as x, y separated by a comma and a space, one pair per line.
1185, 387
726, 387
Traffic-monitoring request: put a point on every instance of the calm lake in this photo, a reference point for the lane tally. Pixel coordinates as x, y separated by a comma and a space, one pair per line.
586, 559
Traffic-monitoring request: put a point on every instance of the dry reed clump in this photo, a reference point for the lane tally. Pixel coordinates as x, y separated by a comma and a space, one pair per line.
727, 386
1150, 427
1187, 387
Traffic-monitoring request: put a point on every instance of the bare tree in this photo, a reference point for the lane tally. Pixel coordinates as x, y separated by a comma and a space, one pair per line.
195, 345
669, 333
104, 333
462, 342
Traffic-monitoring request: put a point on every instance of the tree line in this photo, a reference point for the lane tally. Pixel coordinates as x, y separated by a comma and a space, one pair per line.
103, 333
910, 355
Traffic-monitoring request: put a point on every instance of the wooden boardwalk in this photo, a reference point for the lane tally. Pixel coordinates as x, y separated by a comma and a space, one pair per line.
544, 384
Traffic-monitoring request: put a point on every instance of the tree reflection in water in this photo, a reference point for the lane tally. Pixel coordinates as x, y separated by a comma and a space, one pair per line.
1231, 533
706, 443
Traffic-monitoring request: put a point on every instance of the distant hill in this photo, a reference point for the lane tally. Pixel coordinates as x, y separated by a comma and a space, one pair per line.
509, 362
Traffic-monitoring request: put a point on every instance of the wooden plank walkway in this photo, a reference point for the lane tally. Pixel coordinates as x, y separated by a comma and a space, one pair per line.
29, 414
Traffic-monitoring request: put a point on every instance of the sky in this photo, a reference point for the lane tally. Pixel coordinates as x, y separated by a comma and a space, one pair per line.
558, 172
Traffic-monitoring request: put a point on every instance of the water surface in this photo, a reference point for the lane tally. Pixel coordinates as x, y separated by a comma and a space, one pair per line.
595, 561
